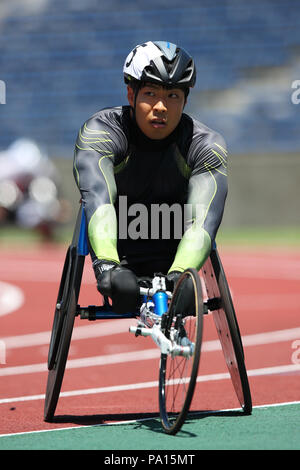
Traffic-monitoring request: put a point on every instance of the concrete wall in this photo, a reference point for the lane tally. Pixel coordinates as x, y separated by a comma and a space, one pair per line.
263, 190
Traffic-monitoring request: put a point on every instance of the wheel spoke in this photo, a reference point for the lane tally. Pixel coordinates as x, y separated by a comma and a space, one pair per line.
178, 373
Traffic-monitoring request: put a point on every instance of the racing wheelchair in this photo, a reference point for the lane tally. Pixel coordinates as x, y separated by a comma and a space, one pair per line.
174, 324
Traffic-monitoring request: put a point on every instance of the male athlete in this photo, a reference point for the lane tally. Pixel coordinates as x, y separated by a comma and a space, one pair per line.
149, 155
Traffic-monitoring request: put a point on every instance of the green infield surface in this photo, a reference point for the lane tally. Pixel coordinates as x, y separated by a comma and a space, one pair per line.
270, 427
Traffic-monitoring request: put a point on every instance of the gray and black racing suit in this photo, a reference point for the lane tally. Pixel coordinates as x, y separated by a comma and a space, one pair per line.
155, 204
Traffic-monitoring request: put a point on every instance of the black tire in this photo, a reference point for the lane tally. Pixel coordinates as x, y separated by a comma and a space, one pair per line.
178, 374
229, 333
56, 374
62, 329
60, 309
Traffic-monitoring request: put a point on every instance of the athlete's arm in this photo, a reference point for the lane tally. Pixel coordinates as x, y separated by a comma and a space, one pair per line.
96, 146
206, 200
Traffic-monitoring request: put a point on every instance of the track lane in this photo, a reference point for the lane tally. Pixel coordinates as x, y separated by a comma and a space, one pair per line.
254, 318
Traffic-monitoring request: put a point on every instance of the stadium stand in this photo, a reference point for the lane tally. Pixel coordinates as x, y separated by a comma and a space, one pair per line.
62, 62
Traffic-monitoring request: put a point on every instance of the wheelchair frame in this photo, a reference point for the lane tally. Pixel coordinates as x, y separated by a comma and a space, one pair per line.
218, 303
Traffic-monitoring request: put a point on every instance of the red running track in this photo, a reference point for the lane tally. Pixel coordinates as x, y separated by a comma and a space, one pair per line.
265, 288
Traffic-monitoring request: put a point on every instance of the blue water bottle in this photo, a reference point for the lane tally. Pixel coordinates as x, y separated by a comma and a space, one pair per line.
161, 302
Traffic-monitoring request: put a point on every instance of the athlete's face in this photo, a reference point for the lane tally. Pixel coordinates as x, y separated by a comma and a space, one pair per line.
157, 110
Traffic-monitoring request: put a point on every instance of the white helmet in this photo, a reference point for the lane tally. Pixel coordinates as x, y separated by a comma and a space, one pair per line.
160, 62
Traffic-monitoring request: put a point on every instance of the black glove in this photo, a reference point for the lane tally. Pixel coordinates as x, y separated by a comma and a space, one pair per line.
171, 280
118, 283
185, 304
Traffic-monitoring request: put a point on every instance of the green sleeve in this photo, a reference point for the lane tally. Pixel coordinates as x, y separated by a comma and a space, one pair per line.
205, 206
93, 170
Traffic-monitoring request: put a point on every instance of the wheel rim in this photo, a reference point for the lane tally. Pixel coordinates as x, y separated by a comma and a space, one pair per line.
60, 310
228, 330
56, 374
178, 374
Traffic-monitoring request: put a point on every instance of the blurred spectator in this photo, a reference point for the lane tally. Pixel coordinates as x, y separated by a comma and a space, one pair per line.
29, 189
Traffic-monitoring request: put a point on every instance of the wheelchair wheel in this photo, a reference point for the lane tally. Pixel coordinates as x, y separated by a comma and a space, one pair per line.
61, 307
63, 323
178, 374
228, 329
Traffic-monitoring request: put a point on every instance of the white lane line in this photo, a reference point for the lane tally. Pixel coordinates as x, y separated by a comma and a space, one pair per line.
11, 298
108, 359
257, 339
284, 369
118, 423
236, 265
119, 358
94, 330
107, 328
147, 354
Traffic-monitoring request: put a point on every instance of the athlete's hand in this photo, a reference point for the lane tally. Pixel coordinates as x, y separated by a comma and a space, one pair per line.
171, 279
185, 303
118, 283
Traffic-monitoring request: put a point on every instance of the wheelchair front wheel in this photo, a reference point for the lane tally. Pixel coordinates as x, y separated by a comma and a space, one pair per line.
178, 373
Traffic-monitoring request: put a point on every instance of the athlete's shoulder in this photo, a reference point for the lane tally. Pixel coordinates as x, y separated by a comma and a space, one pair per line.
201, 133
107, 127
114, 117
207, 146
